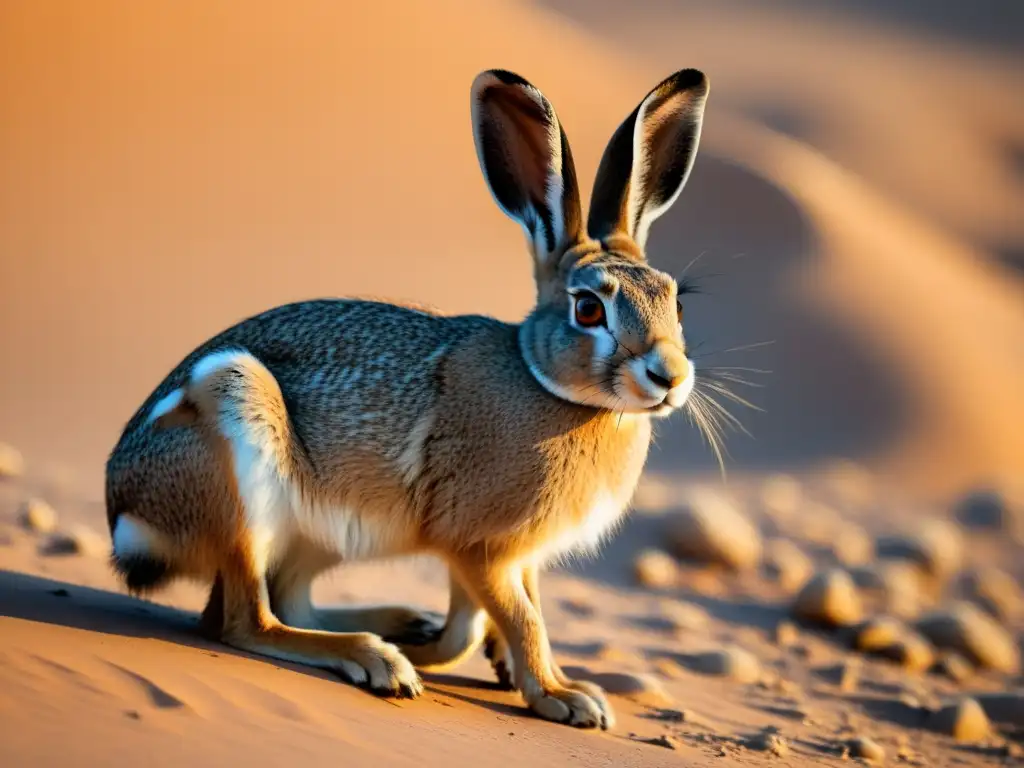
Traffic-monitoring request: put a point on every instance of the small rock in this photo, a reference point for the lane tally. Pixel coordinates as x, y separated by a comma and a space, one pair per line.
711, 529
996, 592
786, 634
878, 634
1004, 707
954, 666
896, 586
867, 749
992, 510
786, 564
659, 741
781, 496
731, 662
11, 462
849, 676
769, 742
964, 720
968, 630
887, 637
77, 540
852, 545
641, 688
684, 616
672, 715
655, 569
830, 598
38, 516
905, 753
937, 548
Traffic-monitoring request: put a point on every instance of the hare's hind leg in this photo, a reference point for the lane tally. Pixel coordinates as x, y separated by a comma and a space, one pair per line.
290, 586
241, 409
499, 588
461, 635
248, 623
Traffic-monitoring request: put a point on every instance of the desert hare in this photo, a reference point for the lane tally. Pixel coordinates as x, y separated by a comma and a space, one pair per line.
330, 431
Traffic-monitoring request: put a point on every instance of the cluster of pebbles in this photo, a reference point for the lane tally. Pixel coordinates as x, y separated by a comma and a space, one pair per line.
912, 597
40, 519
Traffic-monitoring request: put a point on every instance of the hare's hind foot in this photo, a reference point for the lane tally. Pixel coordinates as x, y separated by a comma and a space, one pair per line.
239, 611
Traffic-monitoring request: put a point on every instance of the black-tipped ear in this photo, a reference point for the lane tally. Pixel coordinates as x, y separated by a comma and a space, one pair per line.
647, 161
526, 160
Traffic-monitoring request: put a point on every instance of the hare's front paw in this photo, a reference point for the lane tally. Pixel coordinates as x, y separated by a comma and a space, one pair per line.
380, 667
596, 693
569, 706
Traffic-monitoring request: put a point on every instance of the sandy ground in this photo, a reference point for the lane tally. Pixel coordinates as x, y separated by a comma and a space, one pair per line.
171, 167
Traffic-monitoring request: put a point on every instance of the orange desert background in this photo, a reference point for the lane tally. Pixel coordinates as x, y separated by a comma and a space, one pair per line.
855, 220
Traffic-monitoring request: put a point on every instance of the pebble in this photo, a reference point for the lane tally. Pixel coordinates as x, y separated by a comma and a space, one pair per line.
1005, 707
731, 662
890, 638
970, 631
937, 548
11, 462
996, 592
769, 742
711, 529
659, 741
964, 720
895, 585
990, 509
640, 688
786, 564
830, 598
954, 666
38, 516
684, 616
849, 676
867, 749
78, 540
852, 545
786, 634
655, 569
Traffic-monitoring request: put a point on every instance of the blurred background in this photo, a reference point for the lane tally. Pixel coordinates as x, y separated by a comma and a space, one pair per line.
855, 217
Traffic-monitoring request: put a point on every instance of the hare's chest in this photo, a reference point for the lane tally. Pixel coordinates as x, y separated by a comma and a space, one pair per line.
591, 508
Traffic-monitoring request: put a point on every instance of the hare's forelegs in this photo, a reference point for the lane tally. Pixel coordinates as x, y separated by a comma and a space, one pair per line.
499, 653
247, 622
500, 589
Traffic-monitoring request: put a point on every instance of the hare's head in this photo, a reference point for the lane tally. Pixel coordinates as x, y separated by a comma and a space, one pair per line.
608, 327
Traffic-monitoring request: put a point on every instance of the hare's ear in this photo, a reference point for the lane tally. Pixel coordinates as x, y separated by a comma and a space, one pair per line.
526, 161
646, 163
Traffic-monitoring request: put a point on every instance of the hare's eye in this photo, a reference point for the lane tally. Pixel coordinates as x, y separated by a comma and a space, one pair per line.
589, 310
679, 310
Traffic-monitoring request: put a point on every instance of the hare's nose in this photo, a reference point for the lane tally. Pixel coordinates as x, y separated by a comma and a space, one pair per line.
663, 381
